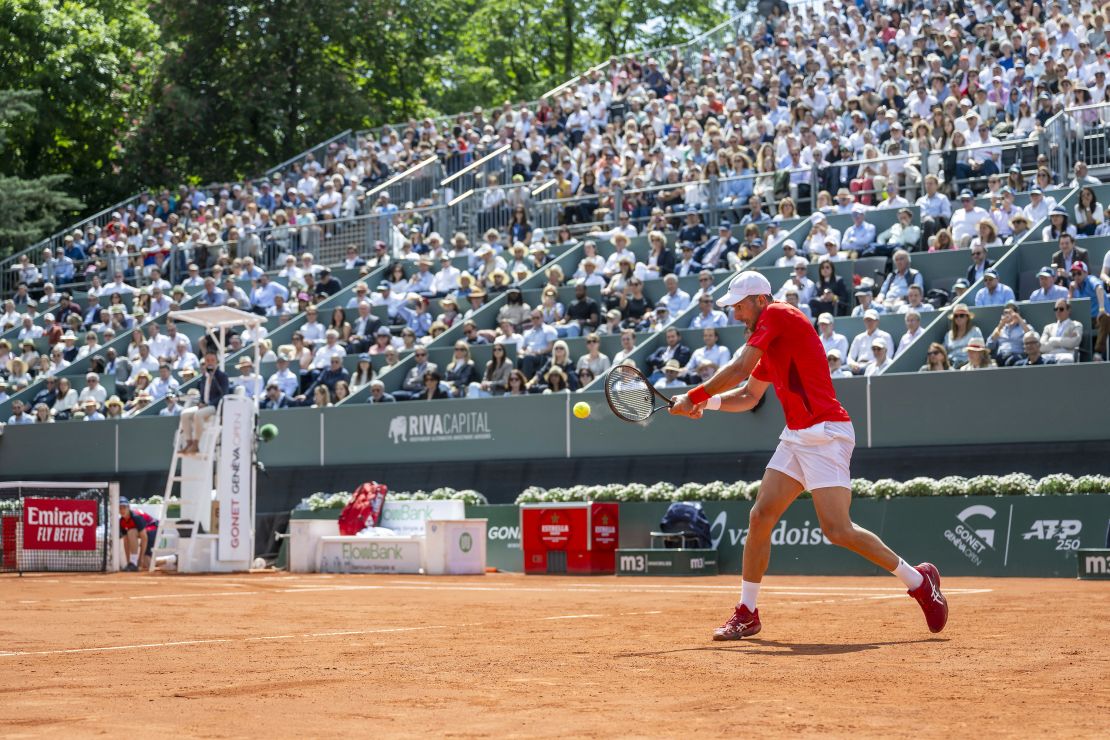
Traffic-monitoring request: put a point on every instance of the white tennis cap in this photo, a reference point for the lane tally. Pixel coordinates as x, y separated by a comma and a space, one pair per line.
743, 285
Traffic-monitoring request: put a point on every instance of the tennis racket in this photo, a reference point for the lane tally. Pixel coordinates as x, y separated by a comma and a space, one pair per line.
630, 395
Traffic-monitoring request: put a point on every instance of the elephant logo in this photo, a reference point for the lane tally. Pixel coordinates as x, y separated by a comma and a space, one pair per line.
399, 429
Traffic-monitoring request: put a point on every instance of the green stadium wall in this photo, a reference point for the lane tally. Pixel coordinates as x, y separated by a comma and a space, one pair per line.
1009, 405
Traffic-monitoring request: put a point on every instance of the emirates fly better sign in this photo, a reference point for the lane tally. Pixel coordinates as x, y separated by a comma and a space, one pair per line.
59, 524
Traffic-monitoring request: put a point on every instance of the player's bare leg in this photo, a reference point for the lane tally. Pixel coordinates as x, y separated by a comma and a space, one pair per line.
776, 493
836, 524
923, 581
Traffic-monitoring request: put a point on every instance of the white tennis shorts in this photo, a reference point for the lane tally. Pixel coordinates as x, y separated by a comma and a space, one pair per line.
818, 456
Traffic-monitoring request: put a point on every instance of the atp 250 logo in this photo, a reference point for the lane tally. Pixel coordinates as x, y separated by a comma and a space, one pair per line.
1064, 531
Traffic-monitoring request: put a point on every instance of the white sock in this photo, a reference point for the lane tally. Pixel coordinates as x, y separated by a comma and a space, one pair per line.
749, 592
134, 559
908, 574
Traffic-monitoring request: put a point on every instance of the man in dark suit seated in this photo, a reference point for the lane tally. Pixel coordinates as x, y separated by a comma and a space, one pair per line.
274, 398
329, 376
672, 349
213, 386
687, 265
714, 253
413, 384
363, 328
1066, 256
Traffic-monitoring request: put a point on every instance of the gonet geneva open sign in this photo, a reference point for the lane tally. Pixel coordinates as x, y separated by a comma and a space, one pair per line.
59, 524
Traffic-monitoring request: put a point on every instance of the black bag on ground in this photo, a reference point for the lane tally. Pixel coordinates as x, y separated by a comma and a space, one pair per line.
686, 517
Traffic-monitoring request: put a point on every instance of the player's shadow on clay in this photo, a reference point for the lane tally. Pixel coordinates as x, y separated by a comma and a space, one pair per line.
790, 648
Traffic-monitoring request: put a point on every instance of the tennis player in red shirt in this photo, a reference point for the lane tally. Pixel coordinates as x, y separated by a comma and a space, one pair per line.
814, 450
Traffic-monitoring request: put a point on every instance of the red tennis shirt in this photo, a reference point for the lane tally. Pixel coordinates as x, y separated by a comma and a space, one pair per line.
794, 363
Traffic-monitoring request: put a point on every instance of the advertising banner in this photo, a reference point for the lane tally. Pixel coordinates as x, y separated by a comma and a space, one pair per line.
502, 535
59, 524
235, 478
991, 536
408, 517
369, 555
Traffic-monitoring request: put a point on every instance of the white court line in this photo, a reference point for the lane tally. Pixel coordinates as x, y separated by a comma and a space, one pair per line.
630, 589
575, 616
156, 597
113, 647
310, 635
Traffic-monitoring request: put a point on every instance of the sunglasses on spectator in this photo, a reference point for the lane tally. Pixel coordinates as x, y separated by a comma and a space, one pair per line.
591, 341
1062, 308
933, 352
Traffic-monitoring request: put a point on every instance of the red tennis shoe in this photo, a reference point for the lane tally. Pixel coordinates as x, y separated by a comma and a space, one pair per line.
742, 623
930, 598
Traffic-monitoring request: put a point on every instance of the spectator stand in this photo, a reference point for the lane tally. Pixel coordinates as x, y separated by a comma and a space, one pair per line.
76, 370
1022, 267
281, 332
648, 342
1037, 315
485, 318
1079, 133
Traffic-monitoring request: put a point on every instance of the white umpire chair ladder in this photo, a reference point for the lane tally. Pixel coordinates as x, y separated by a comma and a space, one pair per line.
193, 476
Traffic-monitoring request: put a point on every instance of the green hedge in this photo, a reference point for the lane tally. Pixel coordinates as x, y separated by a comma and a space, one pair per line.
1015, 484
322, 500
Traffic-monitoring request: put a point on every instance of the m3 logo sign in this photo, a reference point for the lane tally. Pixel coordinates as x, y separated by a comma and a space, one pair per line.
633, 563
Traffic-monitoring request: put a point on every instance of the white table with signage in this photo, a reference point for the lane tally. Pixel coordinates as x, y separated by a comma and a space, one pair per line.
316, 545
455, 547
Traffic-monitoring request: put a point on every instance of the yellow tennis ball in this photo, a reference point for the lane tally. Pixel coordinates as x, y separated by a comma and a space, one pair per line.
581, 409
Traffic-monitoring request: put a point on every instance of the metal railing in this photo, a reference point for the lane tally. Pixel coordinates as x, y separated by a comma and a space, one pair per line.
1079, 134
318, 153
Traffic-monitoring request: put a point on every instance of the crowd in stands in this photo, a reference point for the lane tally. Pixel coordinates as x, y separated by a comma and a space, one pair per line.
824, 109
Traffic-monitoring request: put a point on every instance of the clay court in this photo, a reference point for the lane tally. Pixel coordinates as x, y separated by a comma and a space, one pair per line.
508, 655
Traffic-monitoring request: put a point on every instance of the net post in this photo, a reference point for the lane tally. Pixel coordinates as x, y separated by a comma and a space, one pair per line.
111, 561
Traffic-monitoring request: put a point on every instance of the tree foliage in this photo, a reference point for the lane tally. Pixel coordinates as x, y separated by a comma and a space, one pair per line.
90, 62
29, 207
153, 92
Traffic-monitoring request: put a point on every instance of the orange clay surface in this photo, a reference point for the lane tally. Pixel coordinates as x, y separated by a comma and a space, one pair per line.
279, 655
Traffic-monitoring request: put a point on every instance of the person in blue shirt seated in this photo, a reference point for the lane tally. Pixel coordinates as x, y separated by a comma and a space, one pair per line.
1049, 290
1085, 285
995, 292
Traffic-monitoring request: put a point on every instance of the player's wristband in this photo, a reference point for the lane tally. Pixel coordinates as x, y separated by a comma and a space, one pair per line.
714, 403
698, 395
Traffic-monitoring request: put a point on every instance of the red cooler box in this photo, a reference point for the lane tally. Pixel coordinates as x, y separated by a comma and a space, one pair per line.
575, 538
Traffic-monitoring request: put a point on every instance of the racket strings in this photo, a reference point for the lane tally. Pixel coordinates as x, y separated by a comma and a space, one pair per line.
630, 394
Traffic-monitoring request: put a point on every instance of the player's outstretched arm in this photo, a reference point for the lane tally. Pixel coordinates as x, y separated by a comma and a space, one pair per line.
727, 378
735, 372
744, 398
